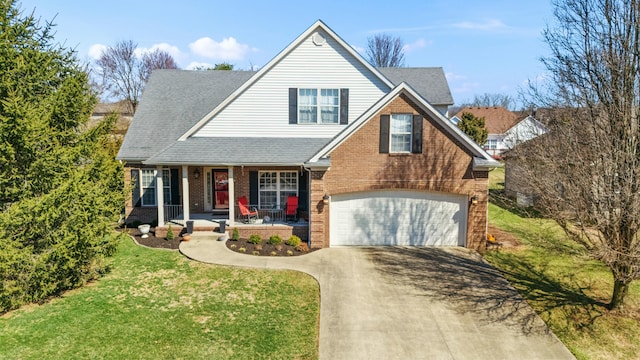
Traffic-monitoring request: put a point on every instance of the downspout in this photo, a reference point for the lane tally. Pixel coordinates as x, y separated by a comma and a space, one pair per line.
309, 207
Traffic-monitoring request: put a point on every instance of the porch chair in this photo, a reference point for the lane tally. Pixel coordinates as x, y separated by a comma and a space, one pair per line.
291, 211
249, 215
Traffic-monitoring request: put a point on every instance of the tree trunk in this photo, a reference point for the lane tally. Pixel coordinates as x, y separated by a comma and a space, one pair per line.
620, 290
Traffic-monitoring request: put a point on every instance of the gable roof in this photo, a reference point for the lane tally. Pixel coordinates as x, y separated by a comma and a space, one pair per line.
430, 82
481, 158
173, 101
497, 119
318, 25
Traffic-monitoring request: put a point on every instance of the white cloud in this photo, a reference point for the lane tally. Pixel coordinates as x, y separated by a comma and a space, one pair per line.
453, 77
488, 25
359, 49
420, 43
96, 50
196, 64
227, 49
168, 48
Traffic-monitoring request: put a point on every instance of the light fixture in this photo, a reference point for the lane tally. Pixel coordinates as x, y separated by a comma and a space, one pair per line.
196, 173
325, 199
474, 200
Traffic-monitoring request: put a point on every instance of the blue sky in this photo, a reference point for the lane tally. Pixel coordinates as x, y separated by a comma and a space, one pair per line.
483, 46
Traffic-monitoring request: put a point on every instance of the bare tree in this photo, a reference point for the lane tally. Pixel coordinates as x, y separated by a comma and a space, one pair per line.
492, 100
157, 59
383, 50
585, 172
124, 74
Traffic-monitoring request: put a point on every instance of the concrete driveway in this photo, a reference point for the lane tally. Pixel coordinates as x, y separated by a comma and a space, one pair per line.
409, 303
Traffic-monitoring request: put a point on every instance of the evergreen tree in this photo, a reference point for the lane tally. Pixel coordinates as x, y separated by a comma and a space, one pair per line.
60, 185
474, 127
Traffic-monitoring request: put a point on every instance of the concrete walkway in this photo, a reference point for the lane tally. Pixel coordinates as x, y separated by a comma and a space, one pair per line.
408, 303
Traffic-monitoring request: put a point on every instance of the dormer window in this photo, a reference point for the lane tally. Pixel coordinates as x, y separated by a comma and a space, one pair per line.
318, 106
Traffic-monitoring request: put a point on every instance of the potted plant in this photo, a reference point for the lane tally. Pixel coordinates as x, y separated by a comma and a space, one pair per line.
144, 230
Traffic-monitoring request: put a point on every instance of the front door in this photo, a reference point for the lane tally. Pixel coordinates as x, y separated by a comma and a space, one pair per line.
220, 187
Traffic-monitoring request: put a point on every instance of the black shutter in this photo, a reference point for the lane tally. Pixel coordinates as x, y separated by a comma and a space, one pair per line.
385, 121
135, 191
344, 106
416, 136
175, 187
253, 188
303, 191
293, 105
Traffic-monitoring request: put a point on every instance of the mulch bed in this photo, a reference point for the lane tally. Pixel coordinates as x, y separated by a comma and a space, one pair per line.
155, 242
267, 249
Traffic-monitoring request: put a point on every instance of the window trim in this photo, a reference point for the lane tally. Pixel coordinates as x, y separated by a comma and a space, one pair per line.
166, 186
410, 133
319, 105
278, 190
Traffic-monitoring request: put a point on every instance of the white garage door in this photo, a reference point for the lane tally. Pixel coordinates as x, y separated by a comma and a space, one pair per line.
398, 218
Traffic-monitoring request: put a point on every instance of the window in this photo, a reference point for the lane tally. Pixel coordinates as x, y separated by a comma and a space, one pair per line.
275, 186
310, 113
148, 186
308, 106
492, 144
400, 133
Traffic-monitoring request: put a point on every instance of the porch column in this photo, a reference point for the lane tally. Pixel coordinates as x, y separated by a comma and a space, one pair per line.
232, 196
185, 194
160, 195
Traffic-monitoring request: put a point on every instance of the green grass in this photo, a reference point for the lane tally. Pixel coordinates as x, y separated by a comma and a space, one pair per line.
155, 304
567, 288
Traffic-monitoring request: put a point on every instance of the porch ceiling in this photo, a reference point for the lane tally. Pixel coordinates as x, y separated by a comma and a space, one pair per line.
239, 151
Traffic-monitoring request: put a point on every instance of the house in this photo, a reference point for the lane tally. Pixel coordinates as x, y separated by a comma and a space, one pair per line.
498, 120
524, 130
367, 151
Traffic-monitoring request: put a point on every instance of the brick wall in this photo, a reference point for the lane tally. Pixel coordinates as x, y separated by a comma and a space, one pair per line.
357, 165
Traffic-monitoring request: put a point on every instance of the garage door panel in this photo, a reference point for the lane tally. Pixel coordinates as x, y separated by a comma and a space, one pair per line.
398, 218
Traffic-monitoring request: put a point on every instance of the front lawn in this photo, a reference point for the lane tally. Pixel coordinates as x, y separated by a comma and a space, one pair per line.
156, 304
566, 287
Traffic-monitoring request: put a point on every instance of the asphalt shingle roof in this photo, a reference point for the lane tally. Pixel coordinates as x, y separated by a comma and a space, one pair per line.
497, 119
430, 82
174, 101
239, 151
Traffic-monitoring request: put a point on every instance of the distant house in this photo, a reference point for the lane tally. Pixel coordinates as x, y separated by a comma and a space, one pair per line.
505, 128
526, 129
120, 108
366, 151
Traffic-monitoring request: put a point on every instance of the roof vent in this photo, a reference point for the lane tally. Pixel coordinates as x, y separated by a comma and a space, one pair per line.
318, 39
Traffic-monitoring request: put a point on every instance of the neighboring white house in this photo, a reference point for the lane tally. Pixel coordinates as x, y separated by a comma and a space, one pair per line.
503, 126
526, 129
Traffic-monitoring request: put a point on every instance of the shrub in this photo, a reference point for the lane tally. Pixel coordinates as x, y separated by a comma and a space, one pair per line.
273, 253
302, 247
275, 240
255, 252
255, 239
293, 241
289, 252
243, 249
235, 236
258, 247
170, 234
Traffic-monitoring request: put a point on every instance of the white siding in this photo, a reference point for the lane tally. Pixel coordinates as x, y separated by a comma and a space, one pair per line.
263, 109
525, 130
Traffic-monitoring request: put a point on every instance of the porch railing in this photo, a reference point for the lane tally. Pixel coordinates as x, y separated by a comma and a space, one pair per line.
172, 212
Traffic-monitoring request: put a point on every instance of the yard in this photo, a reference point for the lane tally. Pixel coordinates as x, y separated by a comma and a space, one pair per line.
156, 304
564, 286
